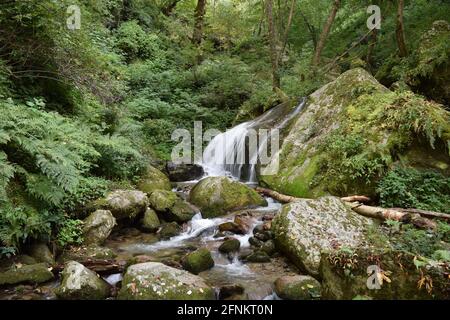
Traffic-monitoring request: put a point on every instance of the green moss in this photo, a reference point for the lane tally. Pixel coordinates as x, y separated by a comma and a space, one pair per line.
198, 261
33, 273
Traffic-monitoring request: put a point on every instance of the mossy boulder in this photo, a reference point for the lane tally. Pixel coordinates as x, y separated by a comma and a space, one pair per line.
41, 253
98, 226
150, 221
31, 273
156, 281
297, 287
123, 204
216, 196
153, 180
350, 132
230, 245
80, 283
171, 206
346, 275
169, 230
258, 256
198, 261
84, 253
184, 172
304, 228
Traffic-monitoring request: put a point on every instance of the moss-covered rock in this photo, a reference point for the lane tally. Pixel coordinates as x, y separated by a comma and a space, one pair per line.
150, 221
169, 230
156, 281
304, 228
258, 256
198, 261
345, 275
153, 180
350, 132
216, 196
41, 253
184, 172
84, 253
297, 288
80, 283
98, 226
171, 206
123, 203
230, 245
32, 273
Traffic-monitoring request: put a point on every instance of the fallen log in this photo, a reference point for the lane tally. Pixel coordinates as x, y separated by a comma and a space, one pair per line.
100, 266
276, 195
426, 213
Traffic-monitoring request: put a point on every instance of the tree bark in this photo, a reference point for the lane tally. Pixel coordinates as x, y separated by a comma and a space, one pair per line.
400, 30
199, 15
273, 45
373, 42
286, 32
168, 9
311, 29
325, 32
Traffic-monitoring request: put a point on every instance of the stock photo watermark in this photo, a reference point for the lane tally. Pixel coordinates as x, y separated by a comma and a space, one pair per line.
73, 21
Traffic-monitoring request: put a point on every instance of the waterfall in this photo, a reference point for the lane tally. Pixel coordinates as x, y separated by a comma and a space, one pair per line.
231, 154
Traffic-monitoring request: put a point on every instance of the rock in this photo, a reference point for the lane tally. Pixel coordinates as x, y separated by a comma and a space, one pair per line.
258, 256
180, 212
229, 291
80, 283
297, 288
268, 247
231, 227
255, 242
264, 236
244, 222
343, 279
198, 261
31, 273
230, 245
216, 196
305, 227
184, 172
98, 226
169, 230
162, 200
156, 281
84, 253
150, 221
123, 203
153, 180
172, 207
41, 253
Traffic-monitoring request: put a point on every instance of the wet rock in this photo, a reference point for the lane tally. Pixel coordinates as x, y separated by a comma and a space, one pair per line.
32, 273
84, 253
264, 236
80, 283
255, 242
304, 228
180, 212
153, 180
98, 226
184, 172
216, 196
198, 261
230, 245
258, 256
41, 253
156, 281
171, 207
169, 230
297, 288
244, 222
269, 247
150, 221
231, 227
123, 203
229, 291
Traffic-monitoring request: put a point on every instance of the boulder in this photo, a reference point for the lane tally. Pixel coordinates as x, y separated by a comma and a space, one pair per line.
258, 256
156, 281
150, 221
268, 247
41, 253
84, 253
98, 226
169, 230
230, 245
153, 180
232, 227
184, 172
216, 196
230, 291
123, 203
198, 261
297, 288
80, 283
31, 273
171, 206
305, 227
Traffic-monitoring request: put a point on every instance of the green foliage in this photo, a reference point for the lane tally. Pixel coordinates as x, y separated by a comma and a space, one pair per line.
70, 233
411, 188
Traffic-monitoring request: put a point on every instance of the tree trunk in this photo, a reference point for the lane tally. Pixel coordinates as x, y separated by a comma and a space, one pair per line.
286, 32
373, 42
325, 32
311, 29
200, 11
273, 45
400, 31
167, 10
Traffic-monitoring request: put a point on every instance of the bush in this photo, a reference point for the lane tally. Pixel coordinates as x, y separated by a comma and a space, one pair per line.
70, 233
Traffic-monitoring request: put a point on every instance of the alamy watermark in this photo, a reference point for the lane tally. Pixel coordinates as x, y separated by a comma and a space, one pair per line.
73, 21
374, 21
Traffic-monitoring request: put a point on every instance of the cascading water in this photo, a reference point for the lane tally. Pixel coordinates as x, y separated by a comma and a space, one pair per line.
229, 153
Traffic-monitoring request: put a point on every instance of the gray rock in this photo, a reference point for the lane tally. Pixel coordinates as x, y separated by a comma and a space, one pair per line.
32, 273
297, 288
98, 226
150, 221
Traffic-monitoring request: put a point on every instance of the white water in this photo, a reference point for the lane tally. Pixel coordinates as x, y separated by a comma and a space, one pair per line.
226, 154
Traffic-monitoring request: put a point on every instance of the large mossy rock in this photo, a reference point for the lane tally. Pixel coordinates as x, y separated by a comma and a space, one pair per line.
304, 228
123, 204
85, 253
41, 253
171, 206
297, 288
198, 261
32, 273
98, 226
80, 283
153, 180
346, 275
156, 281
216, 196
150, 221
351, 131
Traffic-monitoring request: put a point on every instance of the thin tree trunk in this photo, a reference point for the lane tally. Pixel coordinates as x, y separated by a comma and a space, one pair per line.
325, 32
373, 42
167, 10
286, 32
400, 30
311, 29
200, 11
273, 45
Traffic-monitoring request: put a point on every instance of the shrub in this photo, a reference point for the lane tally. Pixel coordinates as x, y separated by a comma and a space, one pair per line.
70, 233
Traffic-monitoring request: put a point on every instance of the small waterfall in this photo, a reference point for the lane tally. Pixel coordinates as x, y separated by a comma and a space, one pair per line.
229, 154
